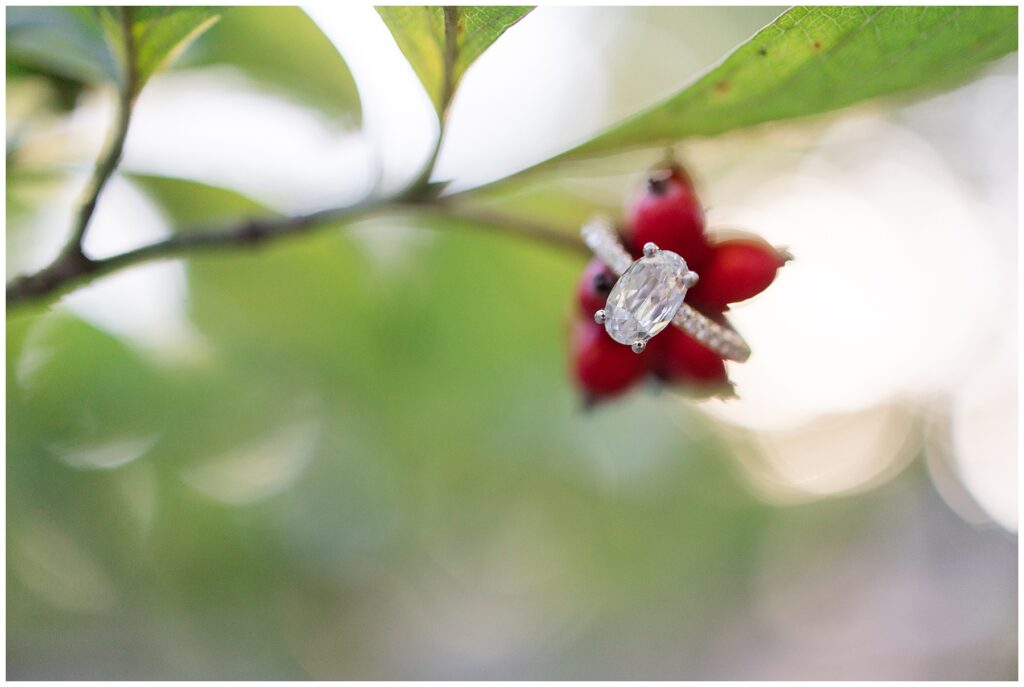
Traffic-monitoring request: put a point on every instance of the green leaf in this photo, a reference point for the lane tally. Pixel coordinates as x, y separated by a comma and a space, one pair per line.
285, 51
442, 42
190, 204
87, 45
65, 41
816, 59
163, 33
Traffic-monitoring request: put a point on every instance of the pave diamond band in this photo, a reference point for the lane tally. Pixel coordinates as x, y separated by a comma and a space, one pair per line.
601, 239
719, 339
649, 295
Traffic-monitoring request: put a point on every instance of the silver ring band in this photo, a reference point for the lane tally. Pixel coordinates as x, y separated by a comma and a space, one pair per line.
600, 236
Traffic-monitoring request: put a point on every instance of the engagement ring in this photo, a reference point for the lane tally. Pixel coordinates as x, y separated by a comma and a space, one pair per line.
649, 295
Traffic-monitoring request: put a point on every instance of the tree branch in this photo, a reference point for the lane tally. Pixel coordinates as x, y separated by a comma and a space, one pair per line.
72, 266
107, 162
66, 272
72, 263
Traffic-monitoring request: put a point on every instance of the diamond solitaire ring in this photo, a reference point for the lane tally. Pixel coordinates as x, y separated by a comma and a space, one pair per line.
649, 296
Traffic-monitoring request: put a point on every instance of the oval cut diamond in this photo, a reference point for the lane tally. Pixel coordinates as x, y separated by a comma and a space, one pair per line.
646, 297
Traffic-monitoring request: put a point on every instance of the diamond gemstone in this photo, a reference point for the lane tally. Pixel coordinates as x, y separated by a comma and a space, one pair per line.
646, 297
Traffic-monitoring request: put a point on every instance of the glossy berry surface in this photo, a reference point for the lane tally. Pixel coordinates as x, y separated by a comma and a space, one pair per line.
601, 366
682, 359
593, 288
666, 212
738, 269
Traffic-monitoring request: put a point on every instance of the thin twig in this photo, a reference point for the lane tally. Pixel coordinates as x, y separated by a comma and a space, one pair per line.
111, 157
451, 56
73, 267
71, 262
62, 275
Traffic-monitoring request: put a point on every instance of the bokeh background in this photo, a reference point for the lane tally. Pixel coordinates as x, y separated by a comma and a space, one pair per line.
359, 454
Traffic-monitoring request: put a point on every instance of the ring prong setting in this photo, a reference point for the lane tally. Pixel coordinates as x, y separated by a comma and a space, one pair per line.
649, 294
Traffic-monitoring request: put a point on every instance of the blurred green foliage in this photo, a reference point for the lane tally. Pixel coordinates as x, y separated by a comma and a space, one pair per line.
284, 51
435, 394
278, 47
374, 467
86, 44
67, 42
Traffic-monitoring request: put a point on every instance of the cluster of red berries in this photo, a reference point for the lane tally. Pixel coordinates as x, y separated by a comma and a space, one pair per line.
667, 213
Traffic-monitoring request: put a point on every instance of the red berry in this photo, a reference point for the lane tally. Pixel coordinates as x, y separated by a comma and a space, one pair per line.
738, 269
593, 288
602, 366
668, 214
682, 359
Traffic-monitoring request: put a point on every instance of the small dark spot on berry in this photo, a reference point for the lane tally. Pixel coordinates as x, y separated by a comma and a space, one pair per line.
657, 184
762, 52
603, 283
722, 86
817, 45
